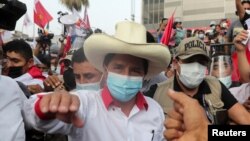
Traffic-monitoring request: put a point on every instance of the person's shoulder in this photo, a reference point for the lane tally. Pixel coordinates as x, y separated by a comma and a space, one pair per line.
7, 81
10, 86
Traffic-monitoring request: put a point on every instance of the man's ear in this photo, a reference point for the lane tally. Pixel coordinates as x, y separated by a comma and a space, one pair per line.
30, 62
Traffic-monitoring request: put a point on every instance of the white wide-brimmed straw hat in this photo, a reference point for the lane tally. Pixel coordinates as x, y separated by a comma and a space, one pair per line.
130, 38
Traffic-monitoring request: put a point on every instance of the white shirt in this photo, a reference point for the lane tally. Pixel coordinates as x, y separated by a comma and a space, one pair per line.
11, 121
105, 124
241, 93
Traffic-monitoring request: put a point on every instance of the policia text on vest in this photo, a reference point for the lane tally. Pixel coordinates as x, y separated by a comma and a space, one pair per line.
218, 132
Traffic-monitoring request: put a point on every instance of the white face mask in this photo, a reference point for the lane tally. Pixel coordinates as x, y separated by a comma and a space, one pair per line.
247, 11
227, 81
201, 36
88, 86
192, 74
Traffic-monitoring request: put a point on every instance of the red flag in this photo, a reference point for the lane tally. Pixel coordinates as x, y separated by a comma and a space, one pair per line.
236, 73
67, 46
41, 16
86, 19
167, 33
82, 23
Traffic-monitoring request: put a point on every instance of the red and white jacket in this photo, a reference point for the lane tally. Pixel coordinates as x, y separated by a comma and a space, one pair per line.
32, 77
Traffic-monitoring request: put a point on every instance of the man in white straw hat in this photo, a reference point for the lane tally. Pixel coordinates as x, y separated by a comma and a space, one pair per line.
119, 111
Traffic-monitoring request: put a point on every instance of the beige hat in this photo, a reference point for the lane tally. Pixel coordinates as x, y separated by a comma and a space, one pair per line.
190, 47
130, 38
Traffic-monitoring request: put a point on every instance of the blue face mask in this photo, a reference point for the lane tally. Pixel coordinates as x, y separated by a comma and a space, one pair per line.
122, 87
88, 86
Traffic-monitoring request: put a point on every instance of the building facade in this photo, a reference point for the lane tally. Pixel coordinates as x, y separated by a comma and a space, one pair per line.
152, 13
193, 13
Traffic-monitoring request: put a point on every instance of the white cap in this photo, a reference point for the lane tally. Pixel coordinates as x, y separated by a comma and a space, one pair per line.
177, 20
224, 25
212, 23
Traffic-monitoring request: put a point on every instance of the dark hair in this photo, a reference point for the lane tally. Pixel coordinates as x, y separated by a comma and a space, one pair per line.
175, 24
216, 59
78, 56
45, 59
163, 19
196, 30
245, 1
110, 56
20, 47
69, 79
189, 33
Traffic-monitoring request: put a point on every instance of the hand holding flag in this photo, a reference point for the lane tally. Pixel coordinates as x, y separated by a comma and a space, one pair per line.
167, 33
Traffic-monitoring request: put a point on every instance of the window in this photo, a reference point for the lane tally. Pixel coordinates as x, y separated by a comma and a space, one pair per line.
156, 18
161, 15
150, 18
145, 20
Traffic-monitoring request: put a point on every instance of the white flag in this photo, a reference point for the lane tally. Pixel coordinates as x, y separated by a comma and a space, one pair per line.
26, 20
6, 36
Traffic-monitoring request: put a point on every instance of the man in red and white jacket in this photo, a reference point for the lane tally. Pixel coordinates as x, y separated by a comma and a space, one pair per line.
20, 65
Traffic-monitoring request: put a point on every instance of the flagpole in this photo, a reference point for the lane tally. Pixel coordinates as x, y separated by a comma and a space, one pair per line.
22, 32
132, 10
34, 2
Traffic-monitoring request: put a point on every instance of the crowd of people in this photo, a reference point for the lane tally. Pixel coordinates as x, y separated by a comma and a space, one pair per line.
128, 86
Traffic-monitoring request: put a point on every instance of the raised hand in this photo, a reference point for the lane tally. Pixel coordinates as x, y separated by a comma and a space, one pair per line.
61, 105
242, 36
187, 121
